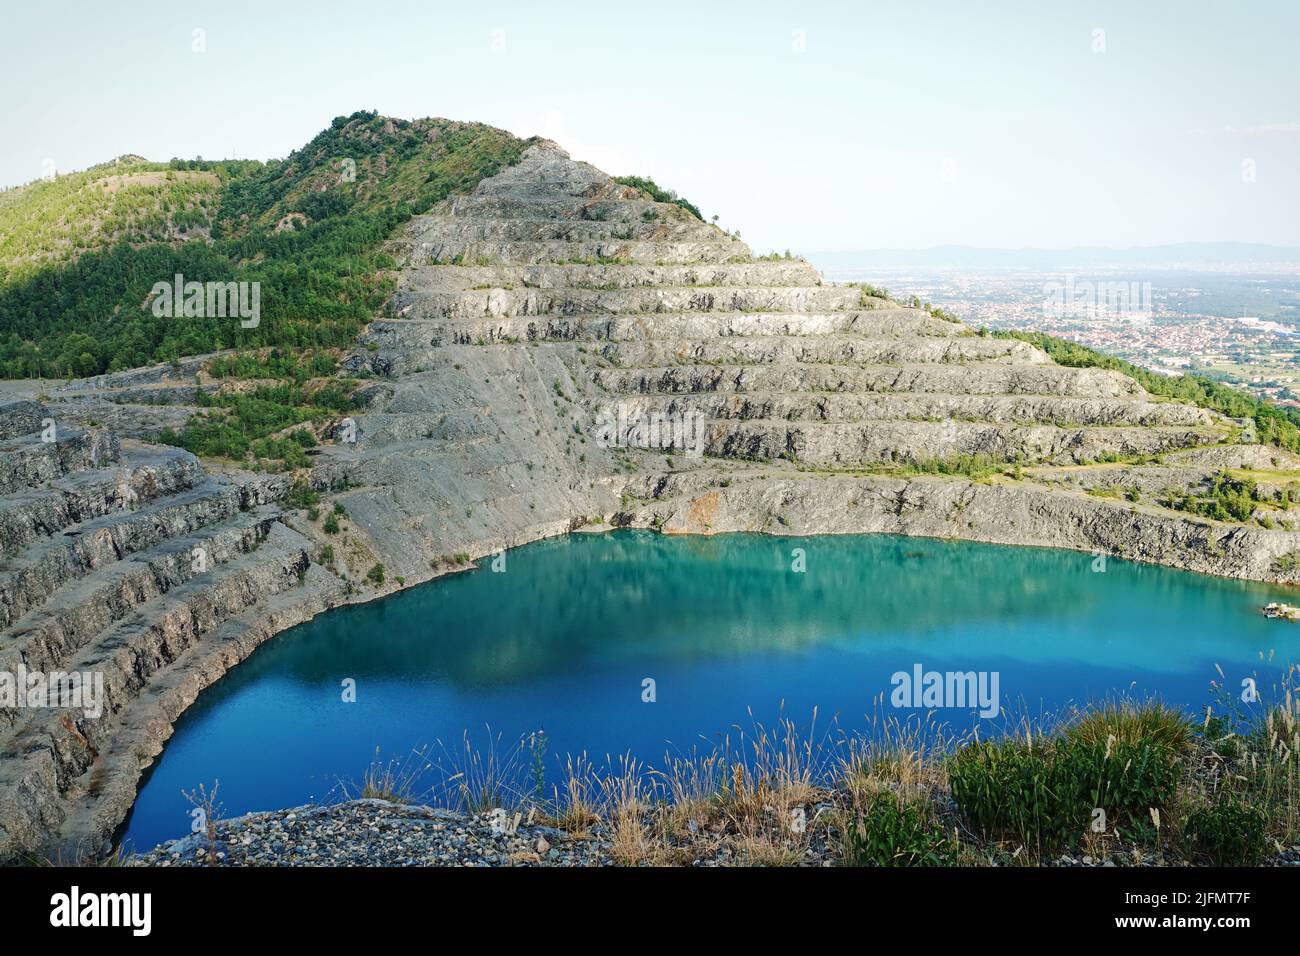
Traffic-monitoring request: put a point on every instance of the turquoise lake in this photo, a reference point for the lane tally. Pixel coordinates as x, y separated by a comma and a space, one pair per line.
565, 637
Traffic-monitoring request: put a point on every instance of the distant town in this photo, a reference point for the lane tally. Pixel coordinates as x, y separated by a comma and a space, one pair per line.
1237, 324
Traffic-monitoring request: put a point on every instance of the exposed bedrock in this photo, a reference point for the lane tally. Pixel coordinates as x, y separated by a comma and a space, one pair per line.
1019, 514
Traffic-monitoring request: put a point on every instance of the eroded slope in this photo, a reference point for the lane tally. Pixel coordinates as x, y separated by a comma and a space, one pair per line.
553, 299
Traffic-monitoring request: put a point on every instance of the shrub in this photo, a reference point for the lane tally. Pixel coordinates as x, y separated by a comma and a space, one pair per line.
376, 574
1124, 759
1005, 787
302, 495
1126, 779
1228, 499
1286, 563
1133, 723
650, 188
1228, 832
979, 465
331, 524
240, 425
944, 314
890, 832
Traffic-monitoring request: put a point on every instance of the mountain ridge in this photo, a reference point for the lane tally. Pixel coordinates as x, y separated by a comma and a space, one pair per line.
962, 256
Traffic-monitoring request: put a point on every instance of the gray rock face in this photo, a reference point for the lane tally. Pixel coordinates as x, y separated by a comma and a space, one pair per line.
20, 418
32, 459
1019, 513
503, 331
506, 344
527, 315
127, 562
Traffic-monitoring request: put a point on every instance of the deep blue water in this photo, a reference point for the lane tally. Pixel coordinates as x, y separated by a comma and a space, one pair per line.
564, 638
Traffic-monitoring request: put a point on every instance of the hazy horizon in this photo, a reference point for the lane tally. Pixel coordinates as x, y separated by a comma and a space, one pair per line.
809, 128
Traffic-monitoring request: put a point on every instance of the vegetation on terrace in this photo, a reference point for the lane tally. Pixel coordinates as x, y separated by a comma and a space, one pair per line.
283, 364
259, 424
658, 194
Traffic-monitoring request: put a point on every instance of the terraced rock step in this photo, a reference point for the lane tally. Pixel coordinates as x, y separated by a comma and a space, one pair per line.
21, 418
639, 252
850, 407
791, 272
28, 579
140, 474
126, 562
980, 380
44, 637
30, 460
98, 799
841, 444
468, 229
534, 204
475, 303
132, 649
59, 746
432, 333
827, 349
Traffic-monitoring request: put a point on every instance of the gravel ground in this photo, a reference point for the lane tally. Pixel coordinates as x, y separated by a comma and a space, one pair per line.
375, 833
379, 833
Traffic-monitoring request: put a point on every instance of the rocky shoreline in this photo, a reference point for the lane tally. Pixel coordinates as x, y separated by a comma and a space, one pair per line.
372, 832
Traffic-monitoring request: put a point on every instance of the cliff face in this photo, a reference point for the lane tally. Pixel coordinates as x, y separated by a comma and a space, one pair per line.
128, 561
539, 326
553, 302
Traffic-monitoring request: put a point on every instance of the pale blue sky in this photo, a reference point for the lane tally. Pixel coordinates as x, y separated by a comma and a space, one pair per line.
897, 124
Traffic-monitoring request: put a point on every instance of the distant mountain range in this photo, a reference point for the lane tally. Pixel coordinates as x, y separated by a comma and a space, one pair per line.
1208, 254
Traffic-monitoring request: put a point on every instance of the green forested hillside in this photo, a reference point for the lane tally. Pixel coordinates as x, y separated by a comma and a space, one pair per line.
128, 199
80, 254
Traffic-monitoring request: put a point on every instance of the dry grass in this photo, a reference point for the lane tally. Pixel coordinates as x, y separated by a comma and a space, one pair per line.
393, 780
1273, 772
1128, 722
758, 849
1256, 756
904, 756
577, 808
206, 812
476, 780
630, 843
785, 794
